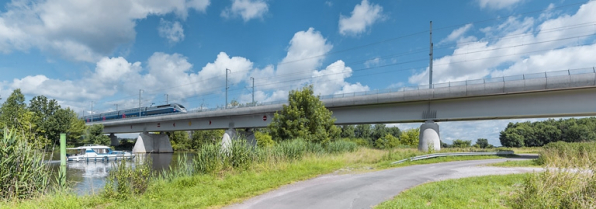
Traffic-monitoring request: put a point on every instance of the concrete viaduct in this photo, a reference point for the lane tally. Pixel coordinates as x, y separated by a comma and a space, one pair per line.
524, 96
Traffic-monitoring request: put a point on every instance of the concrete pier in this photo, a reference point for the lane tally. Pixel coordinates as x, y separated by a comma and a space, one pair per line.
152, 143
114, 140
429, 137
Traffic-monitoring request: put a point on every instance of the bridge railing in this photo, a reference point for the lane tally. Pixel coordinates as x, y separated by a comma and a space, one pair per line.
555, 75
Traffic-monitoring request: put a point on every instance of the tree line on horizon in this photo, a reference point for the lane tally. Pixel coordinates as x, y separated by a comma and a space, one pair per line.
540, 133
42, 120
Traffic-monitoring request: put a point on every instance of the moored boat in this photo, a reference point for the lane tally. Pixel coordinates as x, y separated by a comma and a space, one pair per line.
94, 152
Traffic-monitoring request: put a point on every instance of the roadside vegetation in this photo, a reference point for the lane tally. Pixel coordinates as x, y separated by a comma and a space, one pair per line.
221, 174
568, 181
301, 142
475, 192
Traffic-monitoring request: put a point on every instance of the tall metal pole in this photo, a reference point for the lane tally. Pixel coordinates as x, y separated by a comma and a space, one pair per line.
167, 99
253, 90
140, 90
430, 71
226, 105
116, 107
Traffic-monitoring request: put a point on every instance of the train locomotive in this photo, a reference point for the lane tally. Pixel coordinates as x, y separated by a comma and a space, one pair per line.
135, 112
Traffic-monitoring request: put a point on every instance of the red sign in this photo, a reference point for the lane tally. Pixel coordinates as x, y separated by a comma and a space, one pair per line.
209, 122
264, 118
174, 124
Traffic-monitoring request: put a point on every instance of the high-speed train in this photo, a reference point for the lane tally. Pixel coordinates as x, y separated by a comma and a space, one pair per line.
134, 112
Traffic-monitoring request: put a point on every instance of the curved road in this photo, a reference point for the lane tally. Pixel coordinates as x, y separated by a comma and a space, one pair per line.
369, 189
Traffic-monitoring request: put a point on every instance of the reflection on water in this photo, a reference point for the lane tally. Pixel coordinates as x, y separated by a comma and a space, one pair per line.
90, 177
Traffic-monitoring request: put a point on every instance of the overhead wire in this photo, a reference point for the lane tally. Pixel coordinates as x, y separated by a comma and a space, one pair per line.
379, 42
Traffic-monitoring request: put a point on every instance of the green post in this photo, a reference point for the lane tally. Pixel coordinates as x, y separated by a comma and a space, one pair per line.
62, 158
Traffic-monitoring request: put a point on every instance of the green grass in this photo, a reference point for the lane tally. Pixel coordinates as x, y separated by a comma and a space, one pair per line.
476, 192
231, 186
517, 163
383, 165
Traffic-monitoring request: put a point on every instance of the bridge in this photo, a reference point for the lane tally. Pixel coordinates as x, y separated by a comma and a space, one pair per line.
566, 93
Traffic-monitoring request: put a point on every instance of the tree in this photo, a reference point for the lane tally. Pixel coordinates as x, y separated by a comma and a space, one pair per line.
445, 145
305, 117
43, 109
410, 137
379, 131
180, 140
15, 116
510, 138
76, 128
363, 131
203, 137
94, 135
347, 131
387, 142
13, 110
394, 131
462, 143
482, 143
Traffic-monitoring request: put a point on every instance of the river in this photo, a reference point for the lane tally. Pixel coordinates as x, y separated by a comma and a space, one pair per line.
89, 177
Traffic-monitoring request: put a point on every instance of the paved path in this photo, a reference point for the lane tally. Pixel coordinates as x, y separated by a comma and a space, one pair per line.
369, 189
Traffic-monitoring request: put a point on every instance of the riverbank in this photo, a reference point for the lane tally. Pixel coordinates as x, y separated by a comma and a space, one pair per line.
231, 186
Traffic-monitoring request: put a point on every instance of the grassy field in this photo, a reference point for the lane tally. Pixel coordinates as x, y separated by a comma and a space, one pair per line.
231, 186
567, 182
476, 192
517, 163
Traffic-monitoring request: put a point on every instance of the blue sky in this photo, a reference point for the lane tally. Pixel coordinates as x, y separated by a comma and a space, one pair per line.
80, 51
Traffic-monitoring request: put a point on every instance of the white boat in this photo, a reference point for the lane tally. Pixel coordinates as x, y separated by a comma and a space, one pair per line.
94, 152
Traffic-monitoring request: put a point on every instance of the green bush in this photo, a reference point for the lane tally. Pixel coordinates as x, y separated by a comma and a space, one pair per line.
23, 174
263, 139
127, 179
340, 146
387, 142
567, 182
359, 141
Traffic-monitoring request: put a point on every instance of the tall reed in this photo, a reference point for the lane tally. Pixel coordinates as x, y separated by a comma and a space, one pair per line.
128, 178
240, 155
567, 182
23, 174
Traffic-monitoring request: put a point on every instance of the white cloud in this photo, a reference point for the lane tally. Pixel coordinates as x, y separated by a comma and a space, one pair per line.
372, 62
520, 46
199, 5
363, 16
332, 80
172, 31
81, 30
497, 4
306, 52
329, 3
174, 75
457, 33
165, 73
247, 9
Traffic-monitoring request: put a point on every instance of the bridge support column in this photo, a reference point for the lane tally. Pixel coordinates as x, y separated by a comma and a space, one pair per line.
114, 140
429, 137
232, 134
152, 143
